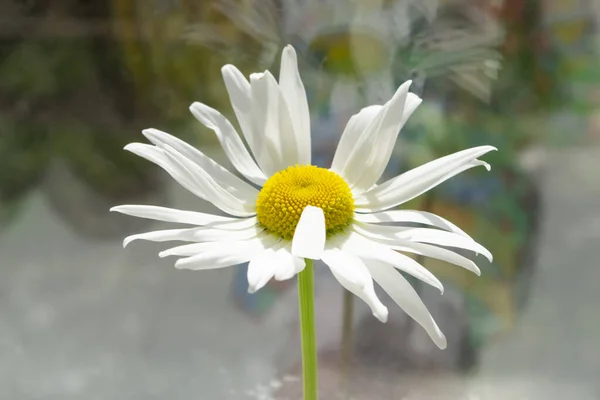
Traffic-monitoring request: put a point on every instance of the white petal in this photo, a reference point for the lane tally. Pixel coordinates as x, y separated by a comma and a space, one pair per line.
240, 96
215, 192
217, 234
448, 239
230, 141
163, 236
410, 216
347, 265
309, 237
278, 146
393, 234
288, 264
372, 250
374, 147
418, 180
191, 249
261, 269
158, 157
438, 253
236, 224
210, 237
218, 172
294, 95
353, 275
173, 215
403, 294
352, 132
225, 254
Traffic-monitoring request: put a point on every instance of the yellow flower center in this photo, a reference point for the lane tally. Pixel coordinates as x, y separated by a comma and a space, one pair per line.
285, 195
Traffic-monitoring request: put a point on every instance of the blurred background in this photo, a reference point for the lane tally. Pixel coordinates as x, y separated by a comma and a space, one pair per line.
82, 318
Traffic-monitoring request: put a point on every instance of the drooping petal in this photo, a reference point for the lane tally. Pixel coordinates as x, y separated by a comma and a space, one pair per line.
179, 216
261, 269
230, 142
411, 184
428, 250
374, 147
309, 237
165, 235
294, 96
353, 275
399, 235
410, 216
216, 192
372, 250
225, 254
403, 294
289, 265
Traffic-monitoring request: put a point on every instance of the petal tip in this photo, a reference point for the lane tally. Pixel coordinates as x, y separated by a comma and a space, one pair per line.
382, 315
442, 342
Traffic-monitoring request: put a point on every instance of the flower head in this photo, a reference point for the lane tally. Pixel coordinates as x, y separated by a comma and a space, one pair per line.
286, 210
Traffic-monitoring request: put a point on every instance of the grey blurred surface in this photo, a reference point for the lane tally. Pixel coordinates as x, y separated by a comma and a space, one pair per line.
86, 319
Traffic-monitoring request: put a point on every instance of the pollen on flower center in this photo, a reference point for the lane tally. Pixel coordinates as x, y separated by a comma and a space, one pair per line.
285, 195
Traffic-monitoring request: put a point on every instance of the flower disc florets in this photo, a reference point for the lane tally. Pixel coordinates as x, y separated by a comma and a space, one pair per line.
285, 195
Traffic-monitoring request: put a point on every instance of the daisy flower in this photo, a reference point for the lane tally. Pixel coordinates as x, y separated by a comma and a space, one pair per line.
286, 210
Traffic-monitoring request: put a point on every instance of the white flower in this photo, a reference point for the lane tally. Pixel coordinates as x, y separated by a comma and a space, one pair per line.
292, 210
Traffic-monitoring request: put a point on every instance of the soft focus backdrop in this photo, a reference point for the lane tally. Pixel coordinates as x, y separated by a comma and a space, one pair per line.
83, 318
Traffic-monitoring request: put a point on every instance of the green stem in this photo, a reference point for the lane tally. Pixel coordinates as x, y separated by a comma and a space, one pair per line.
306, 298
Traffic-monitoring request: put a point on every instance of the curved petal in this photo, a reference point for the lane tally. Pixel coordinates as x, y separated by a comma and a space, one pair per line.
213, 191
240, 96
230, 142
165, 235
353, 275
418, 180
410, 216
397, 235
428, 250
374, 147
288, 264
372, 250
309, 237
158, 157
294, 96
225, 254
218, 172
261, 269
178, 216
188, 250
352, 132
216, 234
403, 294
